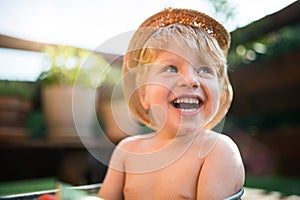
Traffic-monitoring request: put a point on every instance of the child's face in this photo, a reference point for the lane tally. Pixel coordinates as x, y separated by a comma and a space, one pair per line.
180, 92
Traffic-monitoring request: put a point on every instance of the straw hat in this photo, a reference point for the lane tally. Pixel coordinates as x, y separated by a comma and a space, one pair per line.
147, 28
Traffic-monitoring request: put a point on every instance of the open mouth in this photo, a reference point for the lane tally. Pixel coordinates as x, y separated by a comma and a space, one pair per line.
187, 104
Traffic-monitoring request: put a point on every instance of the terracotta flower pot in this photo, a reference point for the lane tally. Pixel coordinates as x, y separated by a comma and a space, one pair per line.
60, 105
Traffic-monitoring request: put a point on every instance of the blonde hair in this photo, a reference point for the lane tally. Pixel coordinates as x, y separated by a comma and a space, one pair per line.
146, 45
196, 39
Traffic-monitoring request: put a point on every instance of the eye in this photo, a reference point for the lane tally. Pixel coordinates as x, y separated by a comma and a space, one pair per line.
171, 68
205, 70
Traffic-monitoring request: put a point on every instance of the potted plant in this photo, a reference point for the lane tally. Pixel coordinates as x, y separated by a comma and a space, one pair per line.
15, 105
69, 92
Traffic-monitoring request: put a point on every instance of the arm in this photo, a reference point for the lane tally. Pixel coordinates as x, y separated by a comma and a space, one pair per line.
222, 173
112, 188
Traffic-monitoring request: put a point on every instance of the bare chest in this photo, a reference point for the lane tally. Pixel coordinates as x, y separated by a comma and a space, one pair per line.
178, 180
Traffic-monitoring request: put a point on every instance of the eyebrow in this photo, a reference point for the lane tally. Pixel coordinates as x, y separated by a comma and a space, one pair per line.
168, 57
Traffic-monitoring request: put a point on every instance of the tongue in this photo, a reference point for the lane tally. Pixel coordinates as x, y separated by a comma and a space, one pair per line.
186, 105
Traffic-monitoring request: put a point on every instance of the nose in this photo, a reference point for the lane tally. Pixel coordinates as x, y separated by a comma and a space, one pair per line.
189, 78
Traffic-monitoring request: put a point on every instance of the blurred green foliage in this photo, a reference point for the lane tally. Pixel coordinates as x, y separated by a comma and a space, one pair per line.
223, 9
24, 186
268, 46
36, 124
284, 185
21, 90
73, 66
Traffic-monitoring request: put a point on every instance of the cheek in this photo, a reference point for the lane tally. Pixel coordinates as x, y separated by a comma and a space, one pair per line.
213, 94
156, 94
157, 105
216, 98
215, 91
151, 95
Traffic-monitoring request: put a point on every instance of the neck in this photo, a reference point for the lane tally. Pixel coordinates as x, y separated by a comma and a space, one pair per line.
181, 135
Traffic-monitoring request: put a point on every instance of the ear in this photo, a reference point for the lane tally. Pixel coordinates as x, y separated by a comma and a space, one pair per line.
143, 98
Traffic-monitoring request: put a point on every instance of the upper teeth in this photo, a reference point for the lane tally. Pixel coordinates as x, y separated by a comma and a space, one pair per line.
187, 100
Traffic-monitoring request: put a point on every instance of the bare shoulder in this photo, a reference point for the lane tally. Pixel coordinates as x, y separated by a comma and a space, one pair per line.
223, 171
224, 150
127, 142
216, 144
123, 151
132, 143
224, 144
